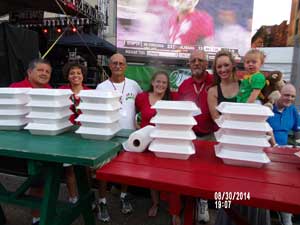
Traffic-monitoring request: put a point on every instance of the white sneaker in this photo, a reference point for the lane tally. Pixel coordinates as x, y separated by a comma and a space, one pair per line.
202, 214
103, 214
285, 218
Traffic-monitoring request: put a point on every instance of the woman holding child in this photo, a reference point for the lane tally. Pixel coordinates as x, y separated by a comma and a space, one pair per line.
228, 88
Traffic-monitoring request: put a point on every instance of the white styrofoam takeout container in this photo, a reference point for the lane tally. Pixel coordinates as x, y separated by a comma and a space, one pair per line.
100, 113
96, 96
243, 148
96, 119
52, 110
173, 120
175, 108
170, 148
173, 134
19, 95
50, 114
50, 103
15, 112
244, 111
8, 91
50, 120
17, 123
98, 133
8, 108
243, 125
48, 129
40, 94
244, 133
22, 100
100, 107
222, 137
236, 158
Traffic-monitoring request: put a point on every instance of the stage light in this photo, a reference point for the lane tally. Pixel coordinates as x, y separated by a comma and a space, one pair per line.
45, 31
58, 30
74, 29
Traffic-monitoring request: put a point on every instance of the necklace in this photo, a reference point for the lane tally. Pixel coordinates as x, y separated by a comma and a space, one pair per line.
200, 89
115, 88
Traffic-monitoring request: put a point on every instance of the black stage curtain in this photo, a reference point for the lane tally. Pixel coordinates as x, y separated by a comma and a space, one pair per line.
18, 46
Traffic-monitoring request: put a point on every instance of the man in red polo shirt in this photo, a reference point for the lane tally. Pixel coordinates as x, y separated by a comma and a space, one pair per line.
195, 89
38, 75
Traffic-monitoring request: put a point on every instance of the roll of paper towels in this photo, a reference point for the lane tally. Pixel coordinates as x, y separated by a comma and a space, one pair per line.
139, 140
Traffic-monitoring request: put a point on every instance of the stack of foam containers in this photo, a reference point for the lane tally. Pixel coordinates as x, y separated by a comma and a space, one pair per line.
173, 134
100, 114
50, 111
242, 134
13, 108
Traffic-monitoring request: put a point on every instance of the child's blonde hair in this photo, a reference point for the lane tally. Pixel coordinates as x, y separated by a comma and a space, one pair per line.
257, 52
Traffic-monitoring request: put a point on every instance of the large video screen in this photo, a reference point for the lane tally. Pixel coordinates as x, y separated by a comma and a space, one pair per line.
174, 28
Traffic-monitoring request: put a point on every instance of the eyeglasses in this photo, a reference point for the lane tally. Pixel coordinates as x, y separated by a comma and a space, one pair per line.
194, 60
116, 63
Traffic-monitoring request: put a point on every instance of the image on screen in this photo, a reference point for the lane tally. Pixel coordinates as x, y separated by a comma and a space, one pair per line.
173, 28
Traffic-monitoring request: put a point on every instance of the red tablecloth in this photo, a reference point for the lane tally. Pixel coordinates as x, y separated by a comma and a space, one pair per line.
276, 186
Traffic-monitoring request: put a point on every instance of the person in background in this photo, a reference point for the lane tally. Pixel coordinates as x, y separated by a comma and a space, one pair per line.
285, 117
159, 90
226, 84
254, 81
75, 73
128, 89
285, 120
38, 76
195, 89
189, 26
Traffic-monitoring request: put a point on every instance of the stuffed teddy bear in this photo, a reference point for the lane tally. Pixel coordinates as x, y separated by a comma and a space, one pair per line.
271, 91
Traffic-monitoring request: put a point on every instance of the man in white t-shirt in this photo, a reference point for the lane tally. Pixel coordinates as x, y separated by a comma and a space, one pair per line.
128, 89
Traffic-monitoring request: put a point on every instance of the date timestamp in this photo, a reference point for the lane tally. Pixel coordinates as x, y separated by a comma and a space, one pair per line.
223, 204
224, 199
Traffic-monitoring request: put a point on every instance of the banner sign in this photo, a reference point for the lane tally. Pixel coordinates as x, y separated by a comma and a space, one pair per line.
143, 74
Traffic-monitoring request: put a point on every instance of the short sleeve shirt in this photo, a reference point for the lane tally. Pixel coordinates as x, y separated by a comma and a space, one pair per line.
143, 106
129, 90
186, 92
284, 122
26, 84
249, 83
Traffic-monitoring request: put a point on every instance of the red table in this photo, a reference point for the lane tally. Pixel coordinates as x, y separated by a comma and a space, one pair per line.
276, 186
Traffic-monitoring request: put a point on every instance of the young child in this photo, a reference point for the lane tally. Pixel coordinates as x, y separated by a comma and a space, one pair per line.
254, 81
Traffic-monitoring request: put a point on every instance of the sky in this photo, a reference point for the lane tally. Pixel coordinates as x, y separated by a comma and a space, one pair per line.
270, 12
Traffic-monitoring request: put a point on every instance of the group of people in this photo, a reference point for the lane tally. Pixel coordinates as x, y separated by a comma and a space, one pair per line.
206, 90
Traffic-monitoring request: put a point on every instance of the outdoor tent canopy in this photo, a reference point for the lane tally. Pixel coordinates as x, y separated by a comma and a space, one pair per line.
97, 44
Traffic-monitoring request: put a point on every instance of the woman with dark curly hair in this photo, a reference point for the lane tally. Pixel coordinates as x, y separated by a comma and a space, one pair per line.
74, 73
